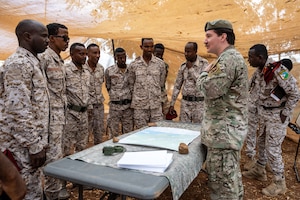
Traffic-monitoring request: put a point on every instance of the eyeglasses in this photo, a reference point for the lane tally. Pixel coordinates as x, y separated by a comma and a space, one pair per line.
64, 37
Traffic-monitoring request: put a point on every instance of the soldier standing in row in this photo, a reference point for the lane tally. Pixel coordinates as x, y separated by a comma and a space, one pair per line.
53, 66
96, 107
159, 50
24, 102
77, 81
147, 80
187, 76
224, 85
274, 115
117, 85
258, 58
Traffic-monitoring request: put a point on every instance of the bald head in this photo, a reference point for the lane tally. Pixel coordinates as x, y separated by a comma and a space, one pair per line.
32, 35
29, 26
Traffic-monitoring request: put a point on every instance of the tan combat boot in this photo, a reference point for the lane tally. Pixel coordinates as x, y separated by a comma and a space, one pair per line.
275, 188
250, 164
257, 172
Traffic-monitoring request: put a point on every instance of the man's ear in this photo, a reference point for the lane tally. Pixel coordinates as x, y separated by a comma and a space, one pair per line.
224, 36
27, 36
51, 38
141, 46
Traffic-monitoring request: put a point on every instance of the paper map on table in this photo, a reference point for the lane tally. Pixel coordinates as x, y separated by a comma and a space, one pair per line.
162, 137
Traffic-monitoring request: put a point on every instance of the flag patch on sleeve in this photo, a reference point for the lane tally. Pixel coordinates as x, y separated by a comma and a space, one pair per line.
284, 74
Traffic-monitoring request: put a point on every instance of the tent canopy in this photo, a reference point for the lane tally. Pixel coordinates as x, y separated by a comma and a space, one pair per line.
171, 22
274, 23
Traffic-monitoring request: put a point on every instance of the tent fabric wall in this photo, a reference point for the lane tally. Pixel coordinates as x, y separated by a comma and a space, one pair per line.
172, 22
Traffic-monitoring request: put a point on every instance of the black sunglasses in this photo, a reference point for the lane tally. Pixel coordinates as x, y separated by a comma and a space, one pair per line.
64, 37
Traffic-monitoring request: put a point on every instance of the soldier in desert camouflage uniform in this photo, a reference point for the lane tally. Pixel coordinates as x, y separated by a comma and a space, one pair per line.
224, 84
24, 105
258, 58
147, 79
53, 66
191, 109
96, 107
159, 50
274, 116
77, 87
117, 85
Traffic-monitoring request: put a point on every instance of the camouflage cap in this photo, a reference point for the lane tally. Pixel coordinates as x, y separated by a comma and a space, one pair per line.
218, 24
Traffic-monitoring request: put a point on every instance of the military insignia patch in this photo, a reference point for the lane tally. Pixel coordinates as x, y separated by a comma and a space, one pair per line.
215, 69
284, 74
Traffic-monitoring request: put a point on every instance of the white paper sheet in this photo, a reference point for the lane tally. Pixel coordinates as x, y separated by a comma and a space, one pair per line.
155, 161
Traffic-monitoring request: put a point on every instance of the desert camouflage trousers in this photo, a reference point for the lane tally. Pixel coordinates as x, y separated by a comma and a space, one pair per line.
270, 139
52, 186
32, 177
120, 117
144, 116
76, 132
96, 122
224, 174
250, 141
165, 105
54, 151
191, 111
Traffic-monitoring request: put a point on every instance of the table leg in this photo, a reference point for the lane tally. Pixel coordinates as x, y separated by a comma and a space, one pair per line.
123, 197
80, 192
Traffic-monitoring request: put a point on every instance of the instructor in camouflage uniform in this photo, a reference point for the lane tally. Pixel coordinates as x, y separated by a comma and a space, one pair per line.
96, 107
191, 108
117, 85
53, 66
224, 84
147, 80
24, 102
274, 115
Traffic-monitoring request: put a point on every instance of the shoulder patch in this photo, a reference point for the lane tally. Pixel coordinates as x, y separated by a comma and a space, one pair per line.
284, 74
215, 70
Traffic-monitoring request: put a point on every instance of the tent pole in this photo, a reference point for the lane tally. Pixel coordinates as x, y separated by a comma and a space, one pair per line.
113, 49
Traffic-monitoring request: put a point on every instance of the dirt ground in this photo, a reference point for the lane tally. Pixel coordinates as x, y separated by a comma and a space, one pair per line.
198, 188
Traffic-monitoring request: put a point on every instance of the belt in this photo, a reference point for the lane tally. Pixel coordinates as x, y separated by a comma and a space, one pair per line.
192, 98
122, 102
270, 108
77, 108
